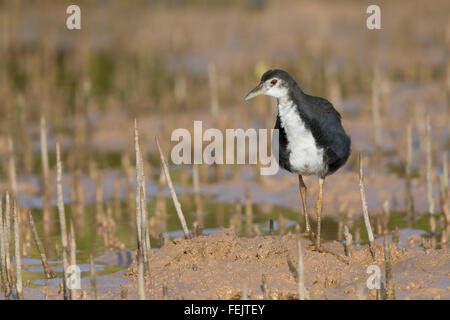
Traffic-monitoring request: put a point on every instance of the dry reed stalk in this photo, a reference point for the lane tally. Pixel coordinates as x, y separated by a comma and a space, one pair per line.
4, 253
378, 224
214, 101
12, 175
408, 177
116, 200
7, 242
172, 192
141, 204
340, 229
390, 291
161, 209
62, 219
445, 214
429, 168
49, 273
108, 227
92, 277
97, 175
196, 229
244, 295
302, 293
357, 235
256, 230
282, 222
396, 236
17, 251
26, 232
248, 212
73, 256
197, 196
141, 287
348, 242
444, 201
264, 287
165, 291
386, 216
237, 217
25, 142
124, 293
220, 216
2, 248
126, 166
376, 118
46, 184
78, 197
364, 207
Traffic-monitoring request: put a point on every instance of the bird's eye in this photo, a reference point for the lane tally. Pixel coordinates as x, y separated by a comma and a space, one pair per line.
274, 82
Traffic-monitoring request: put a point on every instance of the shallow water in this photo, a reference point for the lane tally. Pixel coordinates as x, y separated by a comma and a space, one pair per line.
111, 261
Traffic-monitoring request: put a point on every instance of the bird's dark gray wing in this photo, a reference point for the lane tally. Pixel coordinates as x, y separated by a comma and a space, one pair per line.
326, 127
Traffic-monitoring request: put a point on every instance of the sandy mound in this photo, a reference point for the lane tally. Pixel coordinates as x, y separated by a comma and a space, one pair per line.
219, 266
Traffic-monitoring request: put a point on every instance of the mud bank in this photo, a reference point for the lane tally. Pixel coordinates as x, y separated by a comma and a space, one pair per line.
219, 266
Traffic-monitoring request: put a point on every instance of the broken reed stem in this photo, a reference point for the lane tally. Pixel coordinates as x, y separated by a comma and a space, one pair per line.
49, 273
4, 279
376, 112
172, 191
386, 216
408, 177
141, 204
12, 168
244, 295
141, 288
282, 223
62, 219
73, 256
390, 291
116, 200
364, 207
302, 294
92, 276
17, 251
444, 201
7, 237
429, 177
264, 287
131, 203
161, 210
300, 278
248, 212
46, 186
348, 242
197, 196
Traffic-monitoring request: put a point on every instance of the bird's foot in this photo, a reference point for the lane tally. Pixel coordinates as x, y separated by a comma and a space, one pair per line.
318, 249
309, 234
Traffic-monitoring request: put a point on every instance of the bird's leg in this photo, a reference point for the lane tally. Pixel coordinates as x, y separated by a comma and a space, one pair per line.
303, 196
319, 212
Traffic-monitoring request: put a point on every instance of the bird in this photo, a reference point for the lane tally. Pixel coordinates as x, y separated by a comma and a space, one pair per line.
312, 140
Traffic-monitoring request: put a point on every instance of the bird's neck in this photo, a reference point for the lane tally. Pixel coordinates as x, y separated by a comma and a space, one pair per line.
285, 105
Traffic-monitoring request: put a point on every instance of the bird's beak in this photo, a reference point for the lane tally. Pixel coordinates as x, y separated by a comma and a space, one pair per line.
255, 92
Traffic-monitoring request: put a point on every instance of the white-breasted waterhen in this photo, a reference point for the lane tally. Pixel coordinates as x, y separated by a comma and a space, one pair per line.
312, 140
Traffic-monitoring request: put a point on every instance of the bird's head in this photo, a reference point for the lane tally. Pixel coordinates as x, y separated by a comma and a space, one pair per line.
274, 83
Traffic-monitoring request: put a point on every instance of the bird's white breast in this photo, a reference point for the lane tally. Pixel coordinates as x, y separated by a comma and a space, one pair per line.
305, 157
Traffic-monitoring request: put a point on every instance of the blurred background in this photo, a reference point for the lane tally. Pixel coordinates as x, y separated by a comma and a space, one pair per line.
170, 62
